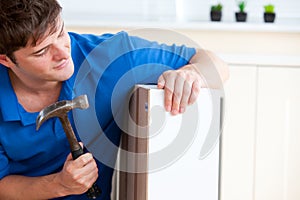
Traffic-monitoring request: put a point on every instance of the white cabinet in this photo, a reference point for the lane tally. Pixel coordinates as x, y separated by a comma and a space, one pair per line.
261, 138
174, 157
277, 166
238, 135
259, 157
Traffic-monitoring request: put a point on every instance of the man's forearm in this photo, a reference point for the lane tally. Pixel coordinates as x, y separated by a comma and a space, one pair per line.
213, 71
31, 188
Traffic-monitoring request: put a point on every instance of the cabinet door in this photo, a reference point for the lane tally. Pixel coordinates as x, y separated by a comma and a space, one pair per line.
238, 137
184, 153
277, 169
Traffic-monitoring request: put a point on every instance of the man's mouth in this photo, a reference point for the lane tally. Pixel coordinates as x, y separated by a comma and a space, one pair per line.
62, 64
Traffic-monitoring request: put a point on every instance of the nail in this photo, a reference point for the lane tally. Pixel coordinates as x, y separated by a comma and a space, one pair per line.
182, 110
168, 108
174, 112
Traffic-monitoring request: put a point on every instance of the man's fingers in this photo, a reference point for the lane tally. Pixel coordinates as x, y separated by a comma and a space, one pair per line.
69, 157
89, 172
161, 82
169, 82
83, 160
194, 92
177, 94
181, 89
185, 96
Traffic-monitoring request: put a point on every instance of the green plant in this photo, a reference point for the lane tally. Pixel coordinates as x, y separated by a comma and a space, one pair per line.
269, 8
217, 7
242, 5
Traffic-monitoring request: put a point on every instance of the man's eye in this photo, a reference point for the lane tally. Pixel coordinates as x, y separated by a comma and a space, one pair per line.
41, 53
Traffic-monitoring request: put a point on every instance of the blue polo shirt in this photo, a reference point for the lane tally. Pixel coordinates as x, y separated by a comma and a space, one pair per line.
106, 69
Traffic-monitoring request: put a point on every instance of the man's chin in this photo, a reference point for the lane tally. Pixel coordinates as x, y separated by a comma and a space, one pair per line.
67, 73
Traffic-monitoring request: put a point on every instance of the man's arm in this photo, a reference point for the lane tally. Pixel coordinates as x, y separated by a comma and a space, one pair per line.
182, 86
76, 177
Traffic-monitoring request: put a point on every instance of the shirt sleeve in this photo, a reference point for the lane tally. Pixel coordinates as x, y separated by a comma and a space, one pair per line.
149, 59
175, 56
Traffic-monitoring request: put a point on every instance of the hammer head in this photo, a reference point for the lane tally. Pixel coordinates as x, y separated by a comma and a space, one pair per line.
61, 108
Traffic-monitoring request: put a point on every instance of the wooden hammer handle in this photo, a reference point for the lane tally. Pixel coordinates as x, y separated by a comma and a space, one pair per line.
76, 151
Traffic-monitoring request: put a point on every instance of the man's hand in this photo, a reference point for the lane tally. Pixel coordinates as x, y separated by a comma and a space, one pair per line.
181, 87
77, 176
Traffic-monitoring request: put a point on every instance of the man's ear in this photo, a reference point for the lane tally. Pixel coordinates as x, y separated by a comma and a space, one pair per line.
6, 61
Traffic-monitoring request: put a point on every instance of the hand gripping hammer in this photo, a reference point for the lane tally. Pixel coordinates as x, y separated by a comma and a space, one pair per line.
60, 109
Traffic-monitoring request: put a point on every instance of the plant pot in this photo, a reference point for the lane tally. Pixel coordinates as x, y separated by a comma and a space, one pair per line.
215, 15
269, 17
240, 16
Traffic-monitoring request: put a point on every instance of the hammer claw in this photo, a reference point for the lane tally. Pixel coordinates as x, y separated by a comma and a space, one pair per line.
61, 107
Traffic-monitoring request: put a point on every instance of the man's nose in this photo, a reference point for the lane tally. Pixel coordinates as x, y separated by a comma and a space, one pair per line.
60, 51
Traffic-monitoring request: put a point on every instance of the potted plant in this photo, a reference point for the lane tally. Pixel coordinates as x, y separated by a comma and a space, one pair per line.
269, 14
241, 16
216, 12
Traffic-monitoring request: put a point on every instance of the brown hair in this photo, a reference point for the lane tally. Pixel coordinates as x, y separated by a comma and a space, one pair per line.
24, 20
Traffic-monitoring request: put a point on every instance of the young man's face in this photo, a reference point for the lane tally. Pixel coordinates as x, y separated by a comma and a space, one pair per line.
49, 60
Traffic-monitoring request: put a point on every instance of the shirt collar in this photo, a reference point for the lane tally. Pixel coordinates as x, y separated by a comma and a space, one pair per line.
8, 99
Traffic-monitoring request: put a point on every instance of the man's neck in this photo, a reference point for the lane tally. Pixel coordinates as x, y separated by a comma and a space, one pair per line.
34, 97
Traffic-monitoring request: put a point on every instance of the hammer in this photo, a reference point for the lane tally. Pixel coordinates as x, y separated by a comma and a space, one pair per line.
60, 109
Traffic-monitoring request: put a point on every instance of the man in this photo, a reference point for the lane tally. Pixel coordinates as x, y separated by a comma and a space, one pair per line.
40, 63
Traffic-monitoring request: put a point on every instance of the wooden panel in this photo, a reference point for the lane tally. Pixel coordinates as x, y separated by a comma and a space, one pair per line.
133, 186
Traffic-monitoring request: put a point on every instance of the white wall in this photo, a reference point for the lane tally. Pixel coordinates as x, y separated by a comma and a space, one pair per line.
188, 10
